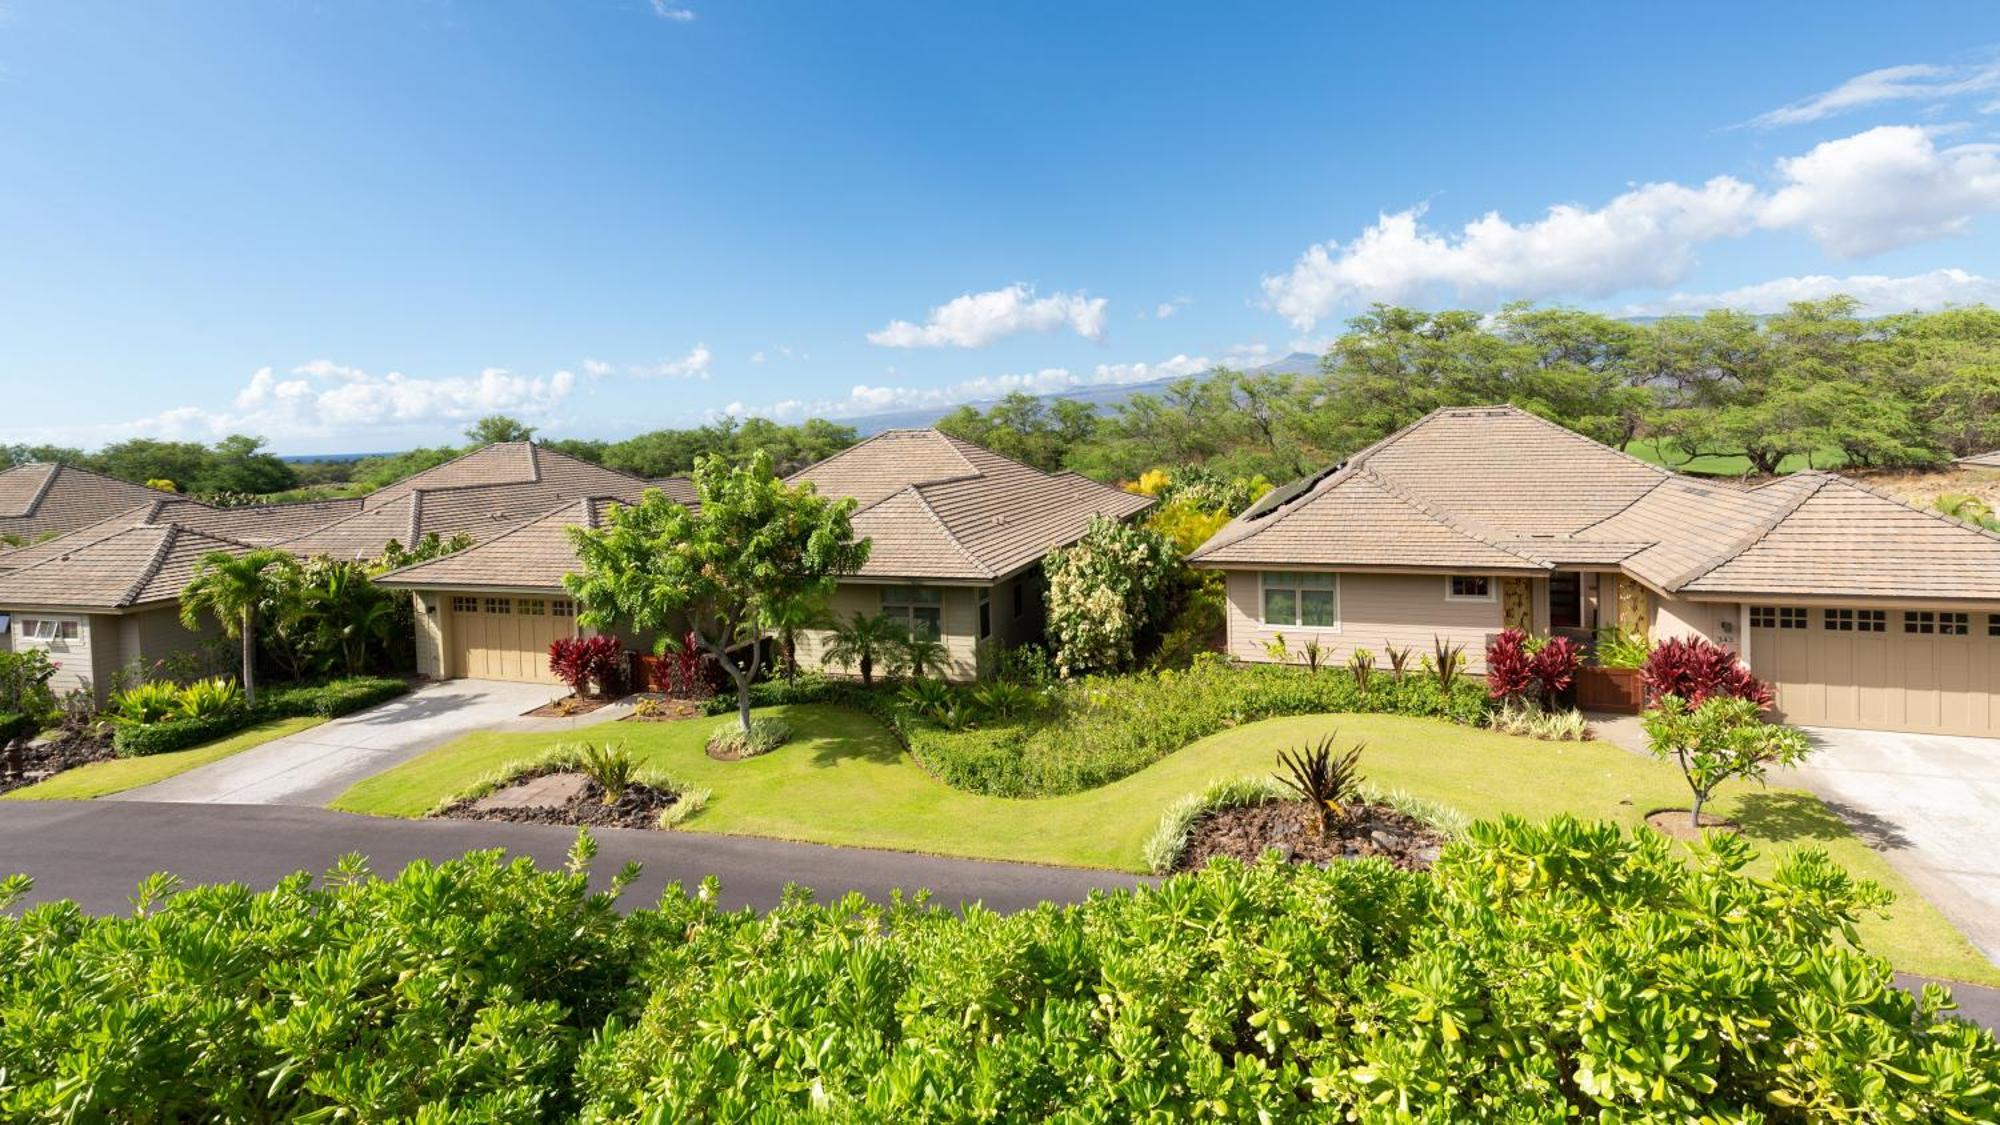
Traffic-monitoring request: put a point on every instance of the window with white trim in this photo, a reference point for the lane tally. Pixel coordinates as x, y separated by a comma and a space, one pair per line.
562, 607
47, 629
1857, 621
1955, 624
1468, 588
1301, 599
1779, 617
461, 603
920, 609
1919, 621
530, 607
499, 605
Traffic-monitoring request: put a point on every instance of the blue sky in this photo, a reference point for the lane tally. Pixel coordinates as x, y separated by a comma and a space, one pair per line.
353, 225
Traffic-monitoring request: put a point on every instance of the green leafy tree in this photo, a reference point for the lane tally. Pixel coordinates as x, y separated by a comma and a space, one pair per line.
1103, 590
498, 427
786, 620
861, 642
235, 589
1722, 740
238, 463
755, 544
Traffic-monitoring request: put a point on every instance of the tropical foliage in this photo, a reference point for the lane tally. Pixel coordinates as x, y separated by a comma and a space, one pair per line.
1721, 739
234, 591
1538, 971
1531, 671
863, 642
593, 664
1697, 670
1102, 590
755, 544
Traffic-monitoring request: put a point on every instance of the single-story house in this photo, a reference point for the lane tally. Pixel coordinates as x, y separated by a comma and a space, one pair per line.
1860, 610
41, 498
958, 534
108, 601
90, 597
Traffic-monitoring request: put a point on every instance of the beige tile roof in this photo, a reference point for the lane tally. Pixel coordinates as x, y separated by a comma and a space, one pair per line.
39, 498
532, 556
257, 524
1982, 460
940, 508
137, 565
1577, 503
507, 462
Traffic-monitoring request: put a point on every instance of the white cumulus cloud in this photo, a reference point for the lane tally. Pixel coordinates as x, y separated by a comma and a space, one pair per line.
1886, 187
975, 320
1878, 294
1860, 195
694, 365
672, 12
1889, 84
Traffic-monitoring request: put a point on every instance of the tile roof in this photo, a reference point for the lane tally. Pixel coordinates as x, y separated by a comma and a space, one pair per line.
1496, 488
256, 524
136, 565
535, 555
938, 507
1982, 460
41, 497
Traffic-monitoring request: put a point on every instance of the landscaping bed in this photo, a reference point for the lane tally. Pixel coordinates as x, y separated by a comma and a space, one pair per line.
568, 707
1365, 831
41, 761
663, 709
640, 805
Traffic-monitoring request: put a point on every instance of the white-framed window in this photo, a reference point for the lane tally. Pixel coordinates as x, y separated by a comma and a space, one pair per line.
562, 607
1300, 599
460, 603
1857, 620
44, 630
499, 605
985, 614
1779, 617
530, 607
919, 608
1468, 588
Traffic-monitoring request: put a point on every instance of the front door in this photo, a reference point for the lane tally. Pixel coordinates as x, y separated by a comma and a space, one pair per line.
1565, 600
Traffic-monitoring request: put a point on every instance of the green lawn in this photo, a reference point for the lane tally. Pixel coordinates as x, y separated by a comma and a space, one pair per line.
850, 783
101, 778
1663, 453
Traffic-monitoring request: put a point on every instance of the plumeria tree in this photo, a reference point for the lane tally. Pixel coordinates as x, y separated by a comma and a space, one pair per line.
754, 545
1103, 590
1719, 740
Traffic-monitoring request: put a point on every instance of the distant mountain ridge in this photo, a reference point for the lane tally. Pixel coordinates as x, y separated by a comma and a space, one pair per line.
1105, 394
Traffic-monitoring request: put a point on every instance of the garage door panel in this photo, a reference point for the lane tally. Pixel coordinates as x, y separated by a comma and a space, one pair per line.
1944, 683
498, 641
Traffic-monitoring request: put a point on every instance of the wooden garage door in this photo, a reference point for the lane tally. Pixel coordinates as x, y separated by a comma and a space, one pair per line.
507, 638
1935, 671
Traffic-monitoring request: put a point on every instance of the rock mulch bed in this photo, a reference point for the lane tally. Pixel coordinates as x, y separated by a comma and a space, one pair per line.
1674, 822
568, 707
662, 709
1367, 830
565, 797
44, 760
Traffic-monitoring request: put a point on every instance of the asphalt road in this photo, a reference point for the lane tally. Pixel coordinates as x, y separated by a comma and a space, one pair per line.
96, 851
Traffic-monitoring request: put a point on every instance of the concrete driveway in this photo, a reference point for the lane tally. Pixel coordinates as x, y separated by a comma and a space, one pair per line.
315, 766
1931, 805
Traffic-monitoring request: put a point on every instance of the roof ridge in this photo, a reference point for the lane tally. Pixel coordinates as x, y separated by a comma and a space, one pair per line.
1851, 482
878, 436
1329, 479
951, 537
1751, 538
169, 533
1467, 528
42, 493
416, 515
590, 517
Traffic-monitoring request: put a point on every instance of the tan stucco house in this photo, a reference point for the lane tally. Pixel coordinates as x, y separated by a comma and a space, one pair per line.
1861, 610
958, 535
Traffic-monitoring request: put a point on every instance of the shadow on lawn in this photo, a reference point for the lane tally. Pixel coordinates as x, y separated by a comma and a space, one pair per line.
1787, 817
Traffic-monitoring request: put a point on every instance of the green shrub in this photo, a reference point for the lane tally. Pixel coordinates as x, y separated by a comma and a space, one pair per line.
150, 701
24, 684
331, 699
208, 699
15, 725
1539, 972
139, 740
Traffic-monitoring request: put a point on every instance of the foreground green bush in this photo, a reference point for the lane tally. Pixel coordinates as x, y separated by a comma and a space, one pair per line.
135, 739
1095, 730
1539, 972
331, 699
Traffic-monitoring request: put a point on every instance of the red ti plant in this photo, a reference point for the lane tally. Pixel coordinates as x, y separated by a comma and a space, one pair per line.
685, 669
1519, 668
582, 661
1698, 670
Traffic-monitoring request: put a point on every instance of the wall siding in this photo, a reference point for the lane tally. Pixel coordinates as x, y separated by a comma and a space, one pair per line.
1376, 610
960, 632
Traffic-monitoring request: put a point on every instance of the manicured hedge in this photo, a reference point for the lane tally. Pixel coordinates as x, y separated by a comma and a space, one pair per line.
331, 699
1539, 973
328, 700
14, 725
1101, 728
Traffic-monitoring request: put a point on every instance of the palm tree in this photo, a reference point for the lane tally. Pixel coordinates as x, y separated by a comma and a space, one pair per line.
235, 588
787, 620
862, 640
919, 654
349, 611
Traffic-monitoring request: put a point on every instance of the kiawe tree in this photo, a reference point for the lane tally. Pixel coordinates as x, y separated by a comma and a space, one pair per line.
755, 545
498, 427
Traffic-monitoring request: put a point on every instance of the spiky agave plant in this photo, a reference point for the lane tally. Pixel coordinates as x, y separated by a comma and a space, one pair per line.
1362, 665
1328, 782
610, 766
1399, 660
1448, 664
